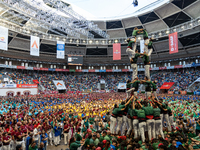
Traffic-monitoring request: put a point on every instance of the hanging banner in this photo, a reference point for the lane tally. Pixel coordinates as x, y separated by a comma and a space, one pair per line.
60, 85
173, 43
60, 49
121, 86
3, 38
34, 46
167, 85
117, 51
141, 46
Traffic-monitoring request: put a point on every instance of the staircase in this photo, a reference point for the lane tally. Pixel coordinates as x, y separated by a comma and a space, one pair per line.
40, 86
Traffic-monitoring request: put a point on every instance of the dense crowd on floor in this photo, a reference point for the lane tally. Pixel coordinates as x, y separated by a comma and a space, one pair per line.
86, 122
89, 81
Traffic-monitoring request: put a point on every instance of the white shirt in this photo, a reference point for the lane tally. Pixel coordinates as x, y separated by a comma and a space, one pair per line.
35, 131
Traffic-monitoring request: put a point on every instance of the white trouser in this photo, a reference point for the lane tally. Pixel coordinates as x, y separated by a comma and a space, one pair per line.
161, 118
119, 124
159, 130
155, 94
151, 128
130, 125
148, 94
166, 118
22, 143
134, 67
12, 145
57, 140
6, 147
128, 92
136, 128
104, 124
124, 124
112, 124
131, 52
147, 71
146, 42
51, 137
66, 138
171, 121
135, 93
142, 126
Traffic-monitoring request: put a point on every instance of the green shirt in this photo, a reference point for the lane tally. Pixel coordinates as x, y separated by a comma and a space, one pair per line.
137, 32
156, 112
148, 110
128, 86
96, 142
155, 146
136, 85
78, 137
134, 60
150, 44
133, 112
117, 111
140, 113
91, 120
86, 123
148, 85
197, 138
197, 126
84, 129
101, 138
91, 141
93, 130
145, 59
107, 138
153, 85
87, 142
32, 148
75, 145
107, 126
130, 44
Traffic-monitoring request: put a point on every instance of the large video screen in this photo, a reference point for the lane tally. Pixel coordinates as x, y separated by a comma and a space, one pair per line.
75, 60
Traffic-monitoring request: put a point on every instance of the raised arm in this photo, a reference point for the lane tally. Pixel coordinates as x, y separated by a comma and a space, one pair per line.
134, 105
140, 104
129, 100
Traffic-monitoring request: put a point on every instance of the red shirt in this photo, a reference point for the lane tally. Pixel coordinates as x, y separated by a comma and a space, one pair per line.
13, 133
19, 133
65, 127
24, 128
30, 127
6, 138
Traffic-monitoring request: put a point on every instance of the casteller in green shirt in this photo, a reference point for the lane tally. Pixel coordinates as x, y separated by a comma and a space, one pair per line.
155, 146
32, 148
78, 137
75, 145
91, 120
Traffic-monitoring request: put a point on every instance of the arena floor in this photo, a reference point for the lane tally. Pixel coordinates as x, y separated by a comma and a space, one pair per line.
62, 146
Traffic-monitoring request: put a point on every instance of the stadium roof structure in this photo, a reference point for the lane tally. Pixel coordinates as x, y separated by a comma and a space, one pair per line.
182, 16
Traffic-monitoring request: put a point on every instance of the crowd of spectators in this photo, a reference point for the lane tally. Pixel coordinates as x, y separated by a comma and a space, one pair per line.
86, 82
181, 79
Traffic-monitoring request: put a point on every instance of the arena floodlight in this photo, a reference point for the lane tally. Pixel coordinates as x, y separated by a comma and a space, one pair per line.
90, 41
